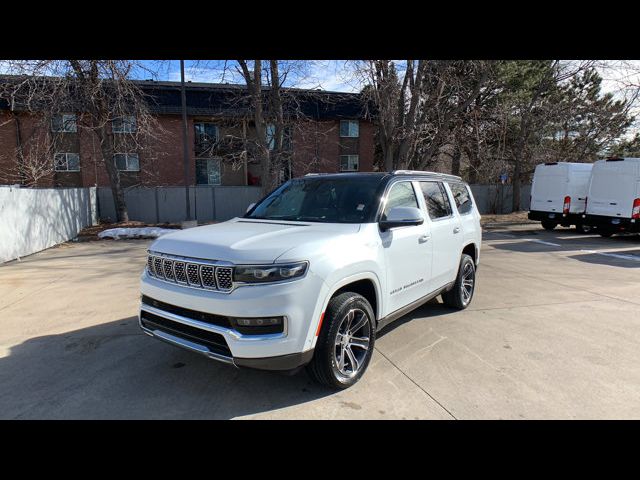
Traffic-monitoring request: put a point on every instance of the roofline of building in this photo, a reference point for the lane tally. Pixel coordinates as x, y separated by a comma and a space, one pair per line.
194, 85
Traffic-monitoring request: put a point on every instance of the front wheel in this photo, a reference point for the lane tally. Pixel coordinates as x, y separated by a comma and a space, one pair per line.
606, 234
345, 343
462, 292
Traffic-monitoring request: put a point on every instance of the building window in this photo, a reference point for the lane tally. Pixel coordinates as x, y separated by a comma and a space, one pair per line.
206, 135
349, 163
208, 171
64, 123
66, 162
271, 137
349, 128
127, 162
126, 124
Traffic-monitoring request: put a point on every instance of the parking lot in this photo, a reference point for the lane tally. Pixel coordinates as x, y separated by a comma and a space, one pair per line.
553, 332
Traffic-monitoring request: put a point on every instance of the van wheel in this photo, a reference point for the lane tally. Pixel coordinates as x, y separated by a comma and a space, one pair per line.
345, 343
581, 228
606, 234
461, 294
547, 225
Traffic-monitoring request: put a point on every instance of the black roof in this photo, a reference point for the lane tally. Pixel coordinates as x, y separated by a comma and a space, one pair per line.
215, 99
232, 99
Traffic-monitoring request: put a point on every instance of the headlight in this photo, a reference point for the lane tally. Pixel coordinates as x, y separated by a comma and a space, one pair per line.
269, 273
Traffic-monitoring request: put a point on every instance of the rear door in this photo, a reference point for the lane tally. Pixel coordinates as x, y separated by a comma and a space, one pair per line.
612, 189
446, 233
549, 188
463, 200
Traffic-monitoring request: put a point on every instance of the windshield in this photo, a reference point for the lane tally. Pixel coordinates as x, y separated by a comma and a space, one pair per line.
317, 199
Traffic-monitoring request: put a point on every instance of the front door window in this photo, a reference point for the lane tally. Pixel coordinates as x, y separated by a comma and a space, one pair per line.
208, 171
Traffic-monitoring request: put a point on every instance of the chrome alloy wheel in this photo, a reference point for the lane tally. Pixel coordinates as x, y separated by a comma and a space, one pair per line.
468, 282
352, 342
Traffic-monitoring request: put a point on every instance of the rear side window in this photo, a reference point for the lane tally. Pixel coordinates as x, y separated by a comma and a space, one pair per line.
401, 195
436, 199
462, 198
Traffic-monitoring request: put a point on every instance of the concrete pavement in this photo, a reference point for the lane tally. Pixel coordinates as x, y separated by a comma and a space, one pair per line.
553, 332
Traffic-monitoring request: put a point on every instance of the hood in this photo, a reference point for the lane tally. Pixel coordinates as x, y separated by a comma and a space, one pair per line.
245, 240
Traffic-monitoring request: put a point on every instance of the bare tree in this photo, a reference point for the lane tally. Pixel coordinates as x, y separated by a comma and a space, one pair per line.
416, 109
99, 92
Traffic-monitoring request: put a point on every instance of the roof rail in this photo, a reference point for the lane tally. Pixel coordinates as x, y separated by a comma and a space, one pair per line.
313, 174
423, 172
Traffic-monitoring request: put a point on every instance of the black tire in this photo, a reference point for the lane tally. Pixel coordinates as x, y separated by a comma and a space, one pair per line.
547, 225
456, 297
581, 228
606, 234
324, 367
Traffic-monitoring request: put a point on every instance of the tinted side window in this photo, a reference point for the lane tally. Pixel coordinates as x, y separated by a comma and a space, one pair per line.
436, 199
461, 197
400, 195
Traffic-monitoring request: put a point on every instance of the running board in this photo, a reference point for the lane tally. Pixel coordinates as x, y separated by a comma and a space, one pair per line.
383, 322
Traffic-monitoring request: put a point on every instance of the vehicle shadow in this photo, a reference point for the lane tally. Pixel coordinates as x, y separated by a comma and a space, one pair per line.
558, 242
114, 371
625, 259
433, 308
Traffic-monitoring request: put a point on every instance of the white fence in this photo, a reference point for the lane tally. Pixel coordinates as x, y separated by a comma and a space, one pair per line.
34, 219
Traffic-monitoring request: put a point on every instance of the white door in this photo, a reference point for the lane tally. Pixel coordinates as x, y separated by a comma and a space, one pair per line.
407, 252
446, 234
549, 188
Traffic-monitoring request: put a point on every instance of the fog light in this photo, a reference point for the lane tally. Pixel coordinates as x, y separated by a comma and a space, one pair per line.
245, 324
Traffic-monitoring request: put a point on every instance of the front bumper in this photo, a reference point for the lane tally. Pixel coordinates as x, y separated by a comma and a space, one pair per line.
183, 326
612, 224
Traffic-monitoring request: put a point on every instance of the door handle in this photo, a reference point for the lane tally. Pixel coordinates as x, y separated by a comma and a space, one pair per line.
456, 230
424, 238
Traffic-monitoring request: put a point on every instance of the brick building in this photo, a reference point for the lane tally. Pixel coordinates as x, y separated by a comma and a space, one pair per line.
327, 133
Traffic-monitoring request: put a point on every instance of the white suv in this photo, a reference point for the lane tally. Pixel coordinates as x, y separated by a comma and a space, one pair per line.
311, 272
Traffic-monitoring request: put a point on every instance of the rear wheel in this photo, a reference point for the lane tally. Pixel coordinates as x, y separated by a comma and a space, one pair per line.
462, 292
583, 228
345, 343
548, 225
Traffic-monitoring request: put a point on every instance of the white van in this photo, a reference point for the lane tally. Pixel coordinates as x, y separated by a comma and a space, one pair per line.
613, 204
559, 194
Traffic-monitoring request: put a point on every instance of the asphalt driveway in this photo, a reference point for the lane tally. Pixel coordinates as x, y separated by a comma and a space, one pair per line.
553, 332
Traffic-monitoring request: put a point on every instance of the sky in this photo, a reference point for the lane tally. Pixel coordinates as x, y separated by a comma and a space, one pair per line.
336, 75
332, 75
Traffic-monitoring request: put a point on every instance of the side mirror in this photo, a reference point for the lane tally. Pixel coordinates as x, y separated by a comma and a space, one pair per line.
251, 205
402, 217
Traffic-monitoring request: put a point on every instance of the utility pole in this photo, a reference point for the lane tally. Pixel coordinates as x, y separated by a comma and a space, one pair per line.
185, 139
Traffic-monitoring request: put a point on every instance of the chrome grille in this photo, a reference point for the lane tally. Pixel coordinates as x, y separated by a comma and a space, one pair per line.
196, 273
180, 270
168, 269
207, 277
192, 274
157, 266
224, 278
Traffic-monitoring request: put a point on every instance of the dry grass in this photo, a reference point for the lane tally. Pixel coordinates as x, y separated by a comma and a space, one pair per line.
515, 217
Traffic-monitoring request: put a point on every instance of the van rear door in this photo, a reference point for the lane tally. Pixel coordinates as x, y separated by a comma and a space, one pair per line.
613, 188
549, 188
